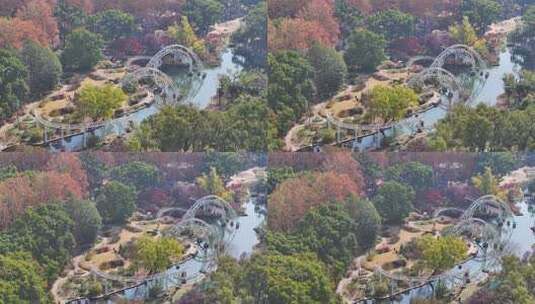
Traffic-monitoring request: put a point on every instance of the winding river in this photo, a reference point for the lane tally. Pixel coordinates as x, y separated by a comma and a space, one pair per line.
240, 244
229, 65
492, 89
519, 242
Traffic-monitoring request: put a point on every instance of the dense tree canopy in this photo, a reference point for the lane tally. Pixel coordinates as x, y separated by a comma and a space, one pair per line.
294, 197
112, 24
46, 233
251, 39
13, 87
415, 174
116, 202
290, 87
365, 50
391, 24
391, 103
488, 129
481, 12
244, 126
330, 70
86, 218
99, 102
44, 68
82, 50
293, 279
156, 255
21, 281
30, 190
442, 253
394, 201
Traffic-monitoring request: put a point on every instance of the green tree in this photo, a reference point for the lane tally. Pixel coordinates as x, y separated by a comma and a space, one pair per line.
8, 172
82, 50
365, 51
415, 174
87, 220
391, 103
137, 174
44, 68
442, 253
156, 255
113, 24
464, 33
481, 12
501, 163
330, 70
394, 201
251, 39
203, 13
69, 17
367, 221
391, 24
516, 281
116, 202
13, 87
95, 169
99, 102
45, 232
226, 163
276, 176
21, 281
329, 231
478, 133
290, 86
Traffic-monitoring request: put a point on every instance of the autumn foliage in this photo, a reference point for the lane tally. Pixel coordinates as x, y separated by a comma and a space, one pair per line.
34, 20
294, 197
70, 164
30, 190
314, 22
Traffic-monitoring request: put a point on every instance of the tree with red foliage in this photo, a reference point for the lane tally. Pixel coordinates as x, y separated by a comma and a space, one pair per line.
433, 198
294, 197
30, 190
70, 164
86, 5
40, 13
124, 47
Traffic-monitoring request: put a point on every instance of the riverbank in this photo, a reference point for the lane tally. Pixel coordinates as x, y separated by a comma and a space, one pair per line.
514, 238
106, 262
349, 106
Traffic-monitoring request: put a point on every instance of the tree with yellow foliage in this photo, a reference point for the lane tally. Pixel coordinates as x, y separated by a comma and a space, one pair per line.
183, 34
213, 184
442, 253
464, 33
